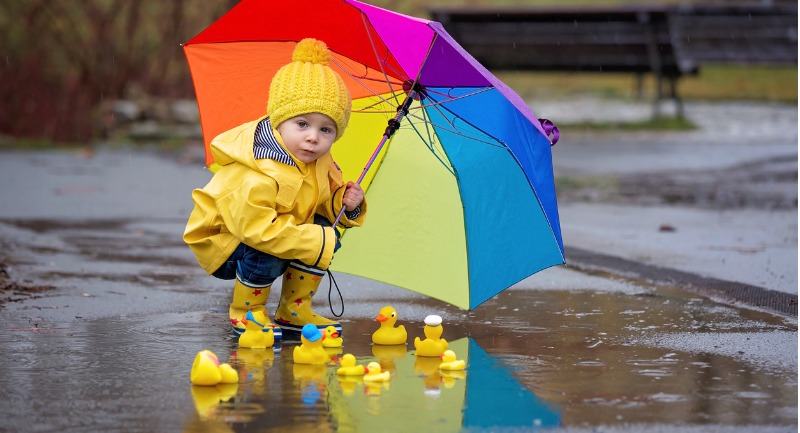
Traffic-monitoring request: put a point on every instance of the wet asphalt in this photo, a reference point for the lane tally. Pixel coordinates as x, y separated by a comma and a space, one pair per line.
654, 324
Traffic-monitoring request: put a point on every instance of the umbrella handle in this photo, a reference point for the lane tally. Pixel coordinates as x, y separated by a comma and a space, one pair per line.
393, 125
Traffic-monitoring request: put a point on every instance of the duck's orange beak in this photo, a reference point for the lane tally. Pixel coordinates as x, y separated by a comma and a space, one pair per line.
381, 318
335, 334
366, 370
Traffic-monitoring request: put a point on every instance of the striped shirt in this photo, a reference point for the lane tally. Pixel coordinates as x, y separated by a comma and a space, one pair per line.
265, 146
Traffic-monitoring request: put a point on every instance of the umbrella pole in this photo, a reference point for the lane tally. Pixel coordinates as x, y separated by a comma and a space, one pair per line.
393, 125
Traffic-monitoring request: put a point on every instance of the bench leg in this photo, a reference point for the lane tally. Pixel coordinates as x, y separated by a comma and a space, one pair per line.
673, 92
658, 96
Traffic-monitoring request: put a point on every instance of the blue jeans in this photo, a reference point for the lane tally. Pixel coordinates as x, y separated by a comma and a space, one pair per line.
256, 268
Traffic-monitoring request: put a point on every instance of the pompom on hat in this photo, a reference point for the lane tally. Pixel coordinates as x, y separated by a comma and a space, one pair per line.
309, 85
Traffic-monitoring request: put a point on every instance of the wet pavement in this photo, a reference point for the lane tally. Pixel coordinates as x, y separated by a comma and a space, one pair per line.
103, 308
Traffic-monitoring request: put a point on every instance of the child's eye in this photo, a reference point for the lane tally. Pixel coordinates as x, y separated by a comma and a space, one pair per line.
327, 130
302, 123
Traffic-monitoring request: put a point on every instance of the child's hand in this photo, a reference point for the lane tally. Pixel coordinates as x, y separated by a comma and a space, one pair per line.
353, 196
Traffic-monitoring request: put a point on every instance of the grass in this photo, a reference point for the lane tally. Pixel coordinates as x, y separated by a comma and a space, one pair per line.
7, 142
758, 83
653, 124
713, 82
776, 84
586, 186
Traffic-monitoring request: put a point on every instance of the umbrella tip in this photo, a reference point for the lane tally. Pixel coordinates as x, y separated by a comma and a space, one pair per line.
416, 86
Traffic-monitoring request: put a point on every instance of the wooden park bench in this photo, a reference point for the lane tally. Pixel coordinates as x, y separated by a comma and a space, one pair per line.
666, 41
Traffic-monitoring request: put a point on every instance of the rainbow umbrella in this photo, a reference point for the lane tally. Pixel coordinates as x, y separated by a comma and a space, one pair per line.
457, 169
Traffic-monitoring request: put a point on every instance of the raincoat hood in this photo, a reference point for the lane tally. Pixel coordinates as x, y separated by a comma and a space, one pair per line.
225, 154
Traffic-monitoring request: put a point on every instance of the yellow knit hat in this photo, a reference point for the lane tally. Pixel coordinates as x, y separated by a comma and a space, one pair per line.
309, 85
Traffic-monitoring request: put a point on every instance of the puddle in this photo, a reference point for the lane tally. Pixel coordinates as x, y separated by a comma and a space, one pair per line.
555, 359
276, 394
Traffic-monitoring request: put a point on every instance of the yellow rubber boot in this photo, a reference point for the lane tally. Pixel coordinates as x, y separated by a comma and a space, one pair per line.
300, 284
247, 298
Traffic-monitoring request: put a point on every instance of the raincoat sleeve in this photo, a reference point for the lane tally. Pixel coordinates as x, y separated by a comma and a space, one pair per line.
331, 208
250, 212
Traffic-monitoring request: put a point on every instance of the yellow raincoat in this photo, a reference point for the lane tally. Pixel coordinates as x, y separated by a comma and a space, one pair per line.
266, 204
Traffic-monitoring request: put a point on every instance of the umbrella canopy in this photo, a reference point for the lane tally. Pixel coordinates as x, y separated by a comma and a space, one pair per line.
462, 200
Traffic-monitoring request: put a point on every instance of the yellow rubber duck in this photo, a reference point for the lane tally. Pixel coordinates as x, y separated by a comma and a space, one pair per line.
433, 345
450, 363
207, 371
388, 334
349, 367
310, 350
332, 338
374, 373
255, 335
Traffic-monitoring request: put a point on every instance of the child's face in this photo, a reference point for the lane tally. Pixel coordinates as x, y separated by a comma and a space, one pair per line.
308, 136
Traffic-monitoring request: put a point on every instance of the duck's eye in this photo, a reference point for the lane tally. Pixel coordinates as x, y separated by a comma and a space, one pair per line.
394, 314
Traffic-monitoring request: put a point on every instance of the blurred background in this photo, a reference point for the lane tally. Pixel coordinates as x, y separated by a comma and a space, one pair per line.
78, 72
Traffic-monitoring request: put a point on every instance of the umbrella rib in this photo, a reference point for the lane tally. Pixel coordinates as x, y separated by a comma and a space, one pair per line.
375, 51
429, 145
435, 105
364, 77
360, 80
454, 129
456, 98
411, 116
428, 125
450, 99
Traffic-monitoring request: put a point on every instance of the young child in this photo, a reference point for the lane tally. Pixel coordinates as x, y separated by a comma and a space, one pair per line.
268, 210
